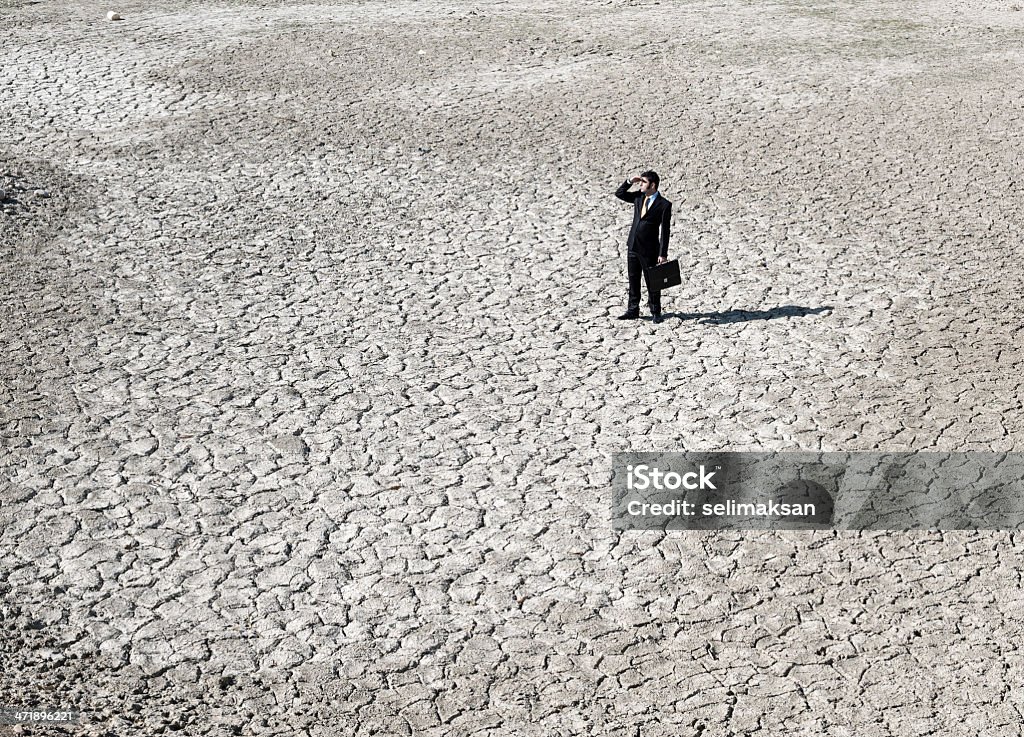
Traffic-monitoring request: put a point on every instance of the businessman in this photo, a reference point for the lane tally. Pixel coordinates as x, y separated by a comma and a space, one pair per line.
647, 244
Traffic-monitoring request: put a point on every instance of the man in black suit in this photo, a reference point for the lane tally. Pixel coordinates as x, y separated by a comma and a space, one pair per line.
648, 239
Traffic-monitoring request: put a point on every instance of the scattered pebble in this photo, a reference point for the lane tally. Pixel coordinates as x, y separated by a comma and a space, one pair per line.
113, 16
42, 193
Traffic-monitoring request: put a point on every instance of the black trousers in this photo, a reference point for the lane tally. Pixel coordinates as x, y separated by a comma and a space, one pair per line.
634, 268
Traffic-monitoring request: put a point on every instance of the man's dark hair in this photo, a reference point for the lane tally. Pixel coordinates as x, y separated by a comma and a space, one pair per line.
652, 177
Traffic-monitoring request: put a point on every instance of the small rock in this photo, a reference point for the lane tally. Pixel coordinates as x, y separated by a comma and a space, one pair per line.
113, 16
42, 193
144, 447
289, 445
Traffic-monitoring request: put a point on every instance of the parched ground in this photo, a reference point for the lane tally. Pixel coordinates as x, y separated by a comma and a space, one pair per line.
310, 378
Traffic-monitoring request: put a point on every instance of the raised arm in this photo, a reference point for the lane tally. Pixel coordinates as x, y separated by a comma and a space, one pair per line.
624, 194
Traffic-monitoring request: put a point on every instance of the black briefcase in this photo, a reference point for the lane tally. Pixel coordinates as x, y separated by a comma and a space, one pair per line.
663, 276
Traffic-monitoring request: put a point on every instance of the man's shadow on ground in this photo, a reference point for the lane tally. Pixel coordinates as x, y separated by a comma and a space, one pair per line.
732, 316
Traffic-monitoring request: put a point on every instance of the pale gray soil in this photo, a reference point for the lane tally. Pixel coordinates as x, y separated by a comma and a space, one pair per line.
310, 380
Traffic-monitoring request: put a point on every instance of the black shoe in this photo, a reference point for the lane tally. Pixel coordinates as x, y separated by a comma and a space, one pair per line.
658, 319
628, 315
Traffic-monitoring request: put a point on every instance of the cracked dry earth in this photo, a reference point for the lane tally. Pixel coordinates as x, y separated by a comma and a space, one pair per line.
310, 381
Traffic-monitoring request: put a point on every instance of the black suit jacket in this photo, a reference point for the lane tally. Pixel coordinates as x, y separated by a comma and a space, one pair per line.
648, 236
